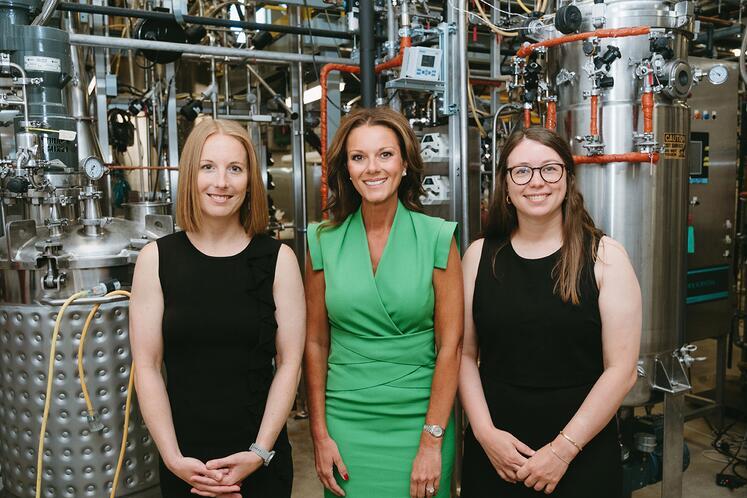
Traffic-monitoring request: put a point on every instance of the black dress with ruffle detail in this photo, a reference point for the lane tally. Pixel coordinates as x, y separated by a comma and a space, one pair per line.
219, 344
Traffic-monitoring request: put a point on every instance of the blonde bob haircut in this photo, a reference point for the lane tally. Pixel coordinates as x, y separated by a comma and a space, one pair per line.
253, 212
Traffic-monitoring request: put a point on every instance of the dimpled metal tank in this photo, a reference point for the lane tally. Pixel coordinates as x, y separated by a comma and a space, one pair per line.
55, 243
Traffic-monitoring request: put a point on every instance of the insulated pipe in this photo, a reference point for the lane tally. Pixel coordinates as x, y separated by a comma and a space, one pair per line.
205, 21
551, 120
367, 53
593, 128
630, 157
404, 43
243, 54
527, 117
647, 104
599, 33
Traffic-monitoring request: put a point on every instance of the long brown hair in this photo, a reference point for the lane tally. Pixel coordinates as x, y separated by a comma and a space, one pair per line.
253, 213
344, 199
580, 235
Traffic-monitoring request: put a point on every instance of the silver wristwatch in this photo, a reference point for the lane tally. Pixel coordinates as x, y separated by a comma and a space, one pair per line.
434, 430
262, 453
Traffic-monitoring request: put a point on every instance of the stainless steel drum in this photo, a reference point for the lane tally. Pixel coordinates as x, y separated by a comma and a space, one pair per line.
641, 205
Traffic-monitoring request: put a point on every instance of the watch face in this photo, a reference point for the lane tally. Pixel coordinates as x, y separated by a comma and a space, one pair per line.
438, 431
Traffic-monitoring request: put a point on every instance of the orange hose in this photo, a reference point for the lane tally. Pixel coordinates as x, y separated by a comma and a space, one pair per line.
404, 43
647, 104
599, 33
593, 128
630, 157
551, 121
527, 118
485, 82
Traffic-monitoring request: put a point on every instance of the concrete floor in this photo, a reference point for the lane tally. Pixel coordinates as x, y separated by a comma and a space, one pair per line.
699, 479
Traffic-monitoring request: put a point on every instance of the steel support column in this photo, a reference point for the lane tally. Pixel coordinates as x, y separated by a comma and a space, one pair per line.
674, 424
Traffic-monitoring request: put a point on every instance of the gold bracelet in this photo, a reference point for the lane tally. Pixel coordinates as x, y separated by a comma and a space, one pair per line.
570, 440
559, 457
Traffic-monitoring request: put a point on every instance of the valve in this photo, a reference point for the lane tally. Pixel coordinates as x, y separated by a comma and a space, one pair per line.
606, 60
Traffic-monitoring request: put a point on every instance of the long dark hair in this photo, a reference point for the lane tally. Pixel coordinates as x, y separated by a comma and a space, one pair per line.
580, 235
344, 199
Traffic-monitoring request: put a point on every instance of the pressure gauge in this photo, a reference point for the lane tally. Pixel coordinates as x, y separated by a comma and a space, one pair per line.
718, 74
93, 167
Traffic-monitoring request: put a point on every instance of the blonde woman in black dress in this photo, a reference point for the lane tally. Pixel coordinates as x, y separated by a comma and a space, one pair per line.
221, 305
553, 312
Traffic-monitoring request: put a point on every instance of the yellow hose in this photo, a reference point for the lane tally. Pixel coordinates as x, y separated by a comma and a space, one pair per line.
86, 395
524, 7
84, 386
48, 393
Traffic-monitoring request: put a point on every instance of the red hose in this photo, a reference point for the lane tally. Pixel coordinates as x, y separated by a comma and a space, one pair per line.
551, 121
647, 104
600, 33
405, 42
593, 128
630, 157
527, 118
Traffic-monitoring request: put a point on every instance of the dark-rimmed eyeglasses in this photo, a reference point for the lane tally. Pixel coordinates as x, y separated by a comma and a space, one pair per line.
550, 173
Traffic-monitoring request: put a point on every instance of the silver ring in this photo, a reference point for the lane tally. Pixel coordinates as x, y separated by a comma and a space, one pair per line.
430, 490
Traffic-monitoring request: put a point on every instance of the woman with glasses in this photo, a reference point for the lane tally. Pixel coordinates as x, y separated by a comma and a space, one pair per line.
553, 313
385, 319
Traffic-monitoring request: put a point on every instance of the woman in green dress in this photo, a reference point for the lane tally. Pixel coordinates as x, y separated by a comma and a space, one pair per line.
385, 319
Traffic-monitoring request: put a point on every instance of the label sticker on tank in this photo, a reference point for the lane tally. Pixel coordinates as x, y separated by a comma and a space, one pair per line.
39, 63
675, 145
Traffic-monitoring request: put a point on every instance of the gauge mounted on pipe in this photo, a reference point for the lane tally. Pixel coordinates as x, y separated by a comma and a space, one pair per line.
718, 74
93, 167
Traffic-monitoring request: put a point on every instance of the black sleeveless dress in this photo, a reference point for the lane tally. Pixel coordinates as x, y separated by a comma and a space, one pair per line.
219, 343
539, 358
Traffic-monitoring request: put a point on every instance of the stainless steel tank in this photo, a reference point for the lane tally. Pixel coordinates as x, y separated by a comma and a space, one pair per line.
641, 205
55, 243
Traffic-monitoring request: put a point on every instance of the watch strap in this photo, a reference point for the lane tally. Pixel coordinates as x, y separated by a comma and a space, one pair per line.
265, 455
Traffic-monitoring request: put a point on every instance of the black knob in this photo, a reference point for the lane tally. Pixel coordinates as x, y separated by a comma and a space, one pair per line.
568, 19
606, 82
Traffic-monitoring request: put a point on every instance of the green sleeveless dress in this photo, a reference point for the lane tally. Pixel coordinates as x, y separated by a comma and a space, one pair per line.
382, 348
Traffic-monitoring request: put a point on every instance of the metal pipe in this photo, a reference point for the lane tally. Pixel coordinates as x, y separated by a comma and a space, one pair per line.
25, 98
204, 21
45, 13
214, 92
292, 114
243, 54
391, 29
367, 53
493, 150
463, 119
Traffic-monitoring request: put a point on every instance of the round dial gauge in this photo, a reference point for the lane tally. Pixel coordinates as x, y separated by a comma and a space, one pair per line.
718, 74
93, 168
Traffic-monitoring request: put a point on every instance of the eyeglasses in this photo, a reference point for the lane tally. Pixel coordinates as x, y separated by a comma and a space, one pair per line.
550, 173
